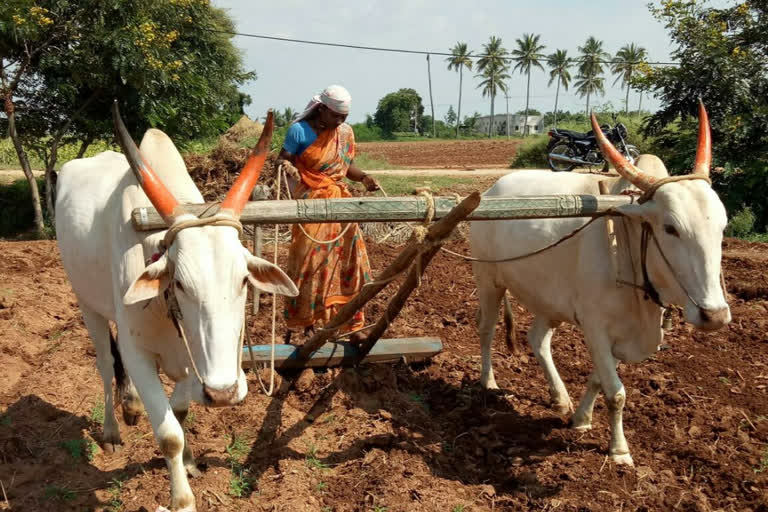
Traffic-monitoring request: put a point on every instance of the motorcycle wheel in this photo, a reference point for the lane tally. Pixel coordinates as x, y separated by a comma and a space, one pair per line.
560, 148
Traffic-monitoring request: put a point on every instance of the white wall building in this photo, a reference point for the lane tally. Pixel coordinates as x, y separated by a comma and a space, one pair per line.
516, 124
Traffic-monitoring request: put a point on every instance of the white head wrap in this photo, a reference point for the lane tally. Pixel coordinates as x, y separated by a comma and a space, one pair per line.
335, 97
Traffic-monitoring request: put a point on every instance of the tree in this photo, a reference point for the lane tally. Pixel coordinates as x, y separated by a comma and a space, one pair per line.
590, 80
493, 67
723, 60
628, 58
170, 64
559, 63
527, 54
460, 59
398, 111
451, 117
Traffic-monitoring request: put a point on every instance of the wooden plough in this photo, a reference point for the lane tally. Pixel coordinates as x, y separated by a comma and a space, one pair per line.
320, 349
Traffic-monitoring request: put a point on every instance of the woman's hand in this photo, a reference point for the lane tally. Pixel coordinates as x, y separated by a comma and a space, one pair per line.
371, 185
289, 169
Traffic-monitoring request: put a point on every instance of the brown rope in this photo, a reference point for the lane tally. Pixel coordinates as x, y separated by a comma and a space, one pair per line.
648, 194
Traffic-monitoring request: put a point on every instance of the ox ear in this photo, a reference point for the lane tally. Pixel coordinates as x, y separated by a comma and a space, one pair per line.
150, 284
267, 277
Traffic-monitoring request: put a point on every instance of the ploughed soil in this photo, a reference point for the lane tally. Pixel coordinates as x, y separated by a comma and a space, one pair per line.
396, 437
450, 154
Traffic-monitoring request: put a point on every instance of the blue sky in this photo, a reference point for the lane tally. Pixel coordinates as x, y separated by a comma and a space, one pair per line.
289, 73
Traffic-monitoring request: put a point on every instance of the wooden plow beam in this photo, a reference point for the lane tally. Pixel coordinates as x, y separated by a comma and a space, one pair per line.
331, 354
402, 209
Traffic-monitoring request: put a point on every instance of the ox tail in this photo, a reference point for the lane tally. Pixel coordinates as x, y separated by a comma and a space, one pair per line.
117, 364
509, 326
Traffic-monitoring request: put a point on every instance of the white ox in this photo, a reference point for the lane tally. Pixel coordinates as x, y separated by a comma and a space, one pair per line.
204, 267
575, 281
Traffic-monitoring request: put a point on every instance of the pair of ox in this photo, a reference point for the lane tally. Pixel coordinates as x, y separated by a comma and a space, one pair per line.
669, 253
196, 286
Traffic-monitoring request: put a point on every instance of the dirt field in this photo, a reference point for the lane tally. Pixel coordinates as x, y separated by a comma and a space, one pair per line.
396, 438
461, 154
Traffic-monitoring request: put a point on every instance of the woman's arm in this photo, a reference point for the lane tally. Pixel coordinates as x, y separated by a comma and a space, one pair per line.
354, 173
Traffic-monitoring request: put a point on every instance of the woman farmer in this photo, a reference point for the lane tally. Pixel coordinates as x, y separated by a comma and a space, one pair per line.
328, 262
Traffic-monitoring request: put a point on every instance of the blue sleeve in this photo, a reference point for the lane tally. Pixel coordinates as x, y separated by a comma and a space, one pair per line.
293, 139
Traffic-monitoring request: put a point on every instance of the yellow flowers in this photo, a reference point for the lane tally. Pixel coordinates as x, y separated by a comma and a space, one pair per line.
18, 20
39, 14
171, 36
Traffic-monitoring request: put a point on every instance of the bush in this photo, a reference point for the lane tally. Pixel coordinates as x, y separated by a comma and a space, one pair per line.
18, 215
366, 133
742, 224
531, 154
745, 188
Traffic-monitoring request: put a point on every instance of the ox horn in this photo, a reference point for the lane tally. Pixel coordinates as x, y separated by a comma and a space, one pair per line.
704, 148
241, 189
160, 197
624, 167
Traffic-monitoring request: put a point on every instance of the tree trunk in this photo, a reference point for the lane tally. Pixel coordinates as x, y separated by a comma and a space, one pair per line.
557, 95
626, 101
490, 125
84, 147
24, 161
458, 116
431, 101
506, 97
587, 105
527, 98
639, 103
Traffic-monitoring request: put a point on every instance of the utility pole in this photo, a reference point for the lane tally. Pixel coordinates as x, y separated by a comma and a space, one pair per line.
506, 95
431, 102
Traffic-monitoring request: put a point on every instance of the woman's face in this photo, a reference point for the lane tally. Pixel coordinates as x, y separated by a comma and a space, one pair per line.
327, 119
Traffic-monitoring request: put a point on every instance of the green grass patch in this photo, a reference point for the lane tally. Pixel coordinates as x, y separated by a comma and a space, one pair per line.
115, 489
763, 466
58, 493
312, 461
241, 482
97, 410
396, 185
79, 449
365, 162
531, 154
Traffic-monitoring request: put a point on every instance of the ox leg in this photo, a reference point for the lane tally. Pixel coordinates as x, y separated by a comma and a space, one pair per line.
615, 398
540, 338
180, 400
582, 418
98, 328
126, 392
167, 430
488, 314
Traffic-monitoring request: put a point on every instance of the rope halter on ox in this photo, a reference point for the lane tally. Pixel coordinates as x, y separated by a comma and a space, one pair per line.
174, 216
649, 185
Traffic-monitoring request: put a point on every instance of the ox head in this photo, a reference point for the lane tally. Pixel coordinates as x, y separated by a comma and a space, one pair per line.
206, 269
687, 220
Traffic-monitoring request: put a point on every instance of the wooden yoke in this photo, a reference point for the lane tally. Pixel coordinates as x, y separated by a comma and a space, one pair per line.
436, 233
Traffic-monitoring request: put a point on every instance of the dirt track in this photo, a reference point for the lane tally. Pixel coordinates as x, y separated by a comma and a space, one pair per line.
405, 438
461, 154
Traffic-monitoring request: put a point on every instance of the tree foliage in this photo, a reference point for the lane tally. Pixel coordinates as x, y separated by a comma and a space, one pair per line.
170, 64
398, 111
723, 56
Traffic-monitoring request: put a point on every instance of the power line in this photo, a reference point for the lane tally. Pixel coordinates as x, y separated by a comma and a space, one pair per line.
413, 52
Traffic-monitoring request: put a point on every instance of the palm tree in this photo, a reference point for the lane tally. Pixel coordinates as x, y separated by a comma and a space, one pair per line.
527, 54
460, 58
289, 115
559, 63
493, 69
590, 78
627, 60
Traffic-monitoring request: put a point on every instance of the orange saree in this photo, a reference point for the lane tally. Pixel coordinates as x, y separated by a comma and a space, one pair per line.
327, 275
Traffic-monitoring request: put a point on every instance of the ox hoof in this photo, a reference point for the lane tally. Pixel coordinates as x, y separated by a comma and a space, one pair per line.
111, 448
490, 384
130, 419
622, 459
580, 425
190, 508
192, 470
563, 409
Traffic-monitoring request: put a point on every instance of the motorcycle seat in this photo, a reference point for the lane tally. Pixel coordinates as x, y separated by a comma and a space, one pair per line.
575, 135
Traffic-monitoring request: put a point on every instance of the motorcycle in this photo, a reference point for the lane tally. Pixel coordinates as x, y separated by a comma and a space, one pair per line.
568, 149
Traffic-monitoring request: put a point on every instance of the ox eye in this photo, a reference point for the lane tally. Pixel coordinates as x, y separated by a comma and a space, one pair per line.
179, 286
670, 230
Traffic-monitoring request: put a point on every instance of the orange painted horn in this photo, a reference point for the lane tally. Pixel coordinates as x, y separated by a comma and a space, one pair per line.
628, 170
704, 148
241, 189
160, 197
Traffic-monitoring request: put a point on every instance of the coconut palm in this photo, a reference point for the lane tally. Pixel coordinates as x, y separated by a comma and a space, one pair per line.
289, 115
493, 67
558, 64
627, 59
590, 79
527, 54
460, 58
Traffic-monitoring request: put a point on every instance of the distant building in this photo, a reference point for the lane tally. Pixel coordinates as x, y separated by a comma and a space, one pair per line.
516, 124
